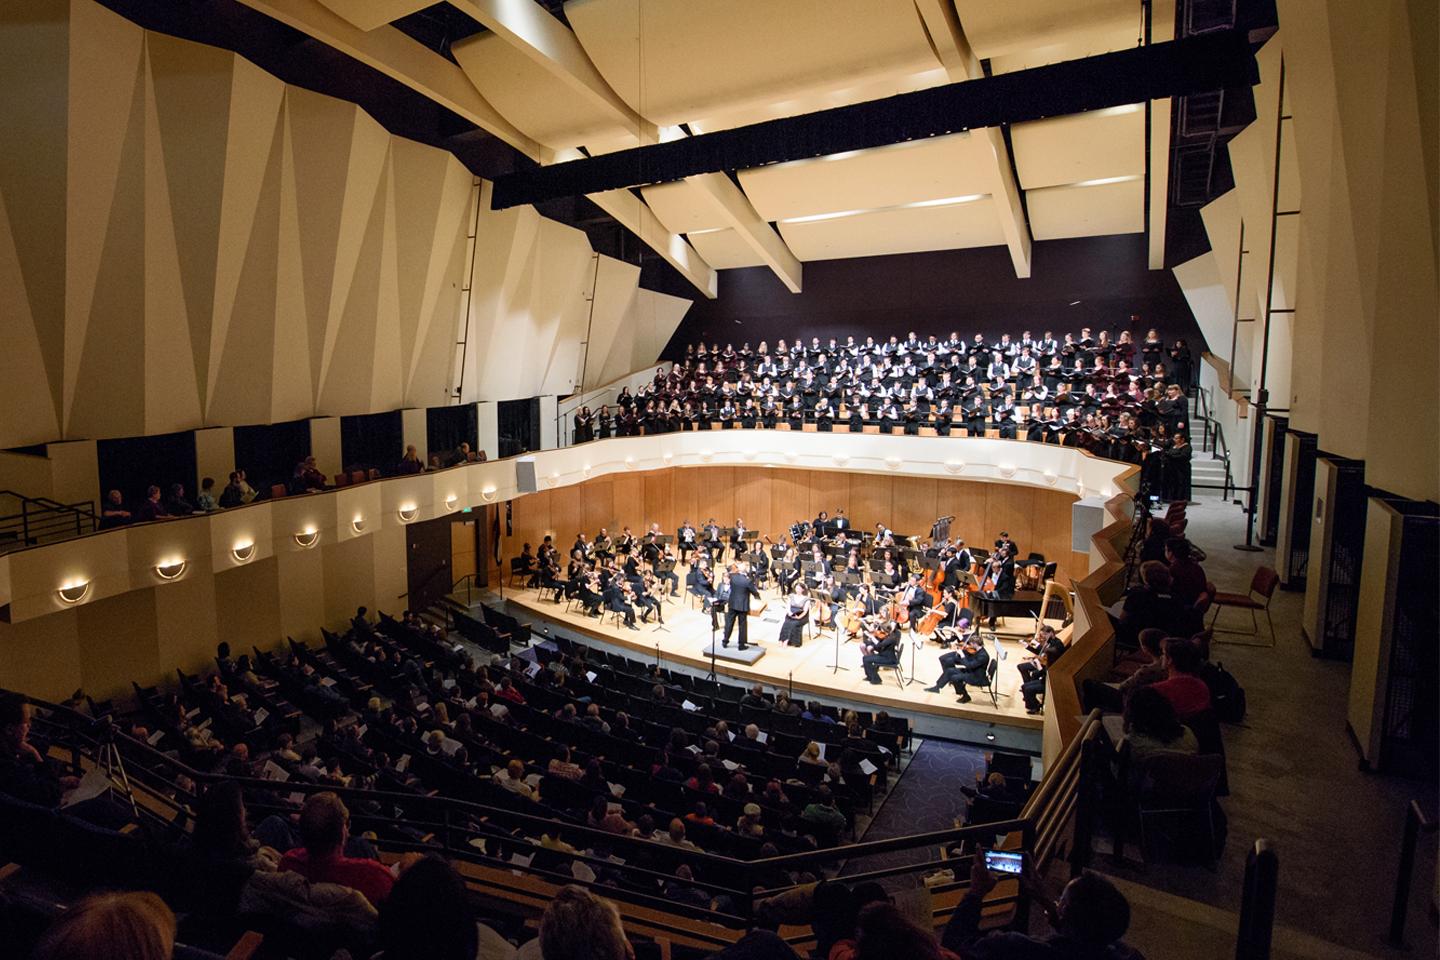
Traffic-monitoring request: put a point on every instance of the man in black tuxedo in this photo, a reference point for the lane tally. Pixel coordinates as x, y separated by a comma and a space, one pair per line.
883, 650
969, 666
738, 608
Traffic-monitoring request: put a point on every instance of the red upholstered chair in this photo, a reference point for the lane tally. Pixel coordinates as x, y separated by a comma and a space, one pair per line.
357, 476
374, 473
277, 490
1262, 588
342, 479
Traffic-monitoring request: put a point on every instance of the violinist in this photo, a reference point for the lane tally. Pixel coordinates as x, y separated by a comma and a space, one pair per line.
618, 596
797, 611
880, 649
826, 601
702, 583
667, 557
1046, 647
954, 622
640, 591
968, 667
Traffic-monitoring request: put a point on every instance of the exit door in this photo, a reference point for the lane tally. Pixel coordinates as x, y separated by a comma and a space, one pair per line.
427, 566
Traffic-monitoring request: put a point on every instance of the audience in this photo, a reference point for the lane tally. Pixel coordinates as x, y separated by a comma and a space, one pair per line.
111, 926
1151, 727
324, 828
1182, 685
578, 925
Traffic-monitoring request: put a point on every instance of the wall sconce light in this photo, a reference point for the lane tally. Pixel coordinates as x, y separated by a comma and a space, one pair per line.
451, 502
751, 455
954, 466
586, 471
554, 478
1007, 470
629, 463
841, 459
667, 456
308, 537
488, 495
358, 523
407, 512
170, 569
707, 455
243, 551
791, 456
893, 463
1050, 477
73, 591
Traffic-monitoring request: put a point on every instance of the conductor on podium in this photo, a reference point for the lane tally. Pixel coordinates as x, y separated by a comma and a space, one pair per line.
741, 590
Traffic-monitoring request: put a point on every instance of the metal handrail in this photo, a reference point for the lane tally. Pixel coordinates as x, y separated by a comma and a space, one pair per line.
41, 517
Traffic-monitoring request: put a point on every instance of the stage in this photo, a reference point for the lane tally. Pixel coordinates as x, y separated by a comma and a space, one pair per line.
809, 669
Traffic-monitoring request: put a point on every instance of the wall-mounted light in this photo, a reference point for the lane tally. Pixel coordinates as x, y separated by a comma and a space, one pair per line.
707, 455
841, 459
954, 466
358, 523
667, 456
554, 478
629, 463
586, 471
451, 502
1050, 477
73, 591
751, 454
308, 537
243, 551
407, 512
488, 494
171, 569
1006, 469
893, 463
791, 456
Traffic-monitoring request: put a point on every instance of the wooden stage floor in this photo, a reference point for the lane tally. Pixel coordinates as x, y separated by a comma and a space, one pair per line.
807, 668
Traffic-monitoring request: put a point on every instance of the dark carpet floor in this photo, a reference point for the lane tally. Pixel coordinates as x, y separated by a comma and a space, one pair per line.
926, 797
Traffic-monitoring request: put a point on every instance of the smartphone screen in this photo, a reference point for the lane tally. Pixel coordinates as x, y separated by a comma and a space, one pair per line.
998, 861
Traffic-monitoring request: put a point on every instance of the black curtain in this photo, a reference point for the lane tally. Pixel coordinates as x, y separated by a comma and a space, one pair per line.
372, 440
132, 464
268, 452
448, 427
519, 426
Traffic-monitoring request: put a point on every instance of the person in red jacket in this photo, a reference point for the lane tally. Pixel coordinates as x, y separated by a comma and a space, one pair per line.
324, 828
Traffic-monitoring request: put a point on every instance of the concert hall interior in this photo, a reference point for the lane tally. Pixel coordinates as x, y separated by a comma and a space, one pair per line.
771, 479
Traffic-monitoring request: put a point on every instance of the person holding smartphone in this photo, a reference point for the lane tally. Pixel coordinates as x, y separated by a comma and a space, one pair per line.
1089, 920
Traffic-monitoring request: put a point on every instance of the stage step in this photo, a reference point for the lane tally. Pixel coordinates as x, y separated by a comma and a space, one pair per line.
733, 654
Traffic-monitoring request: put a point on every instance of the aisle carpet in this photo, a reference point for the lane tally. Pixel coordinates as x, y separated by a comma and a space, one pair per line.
927, 797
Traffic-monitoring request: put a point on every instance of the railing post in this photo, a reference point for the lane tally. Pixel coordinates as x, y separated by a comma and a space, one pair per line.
1415, 821
1022, 900
1257, 903
1086, 810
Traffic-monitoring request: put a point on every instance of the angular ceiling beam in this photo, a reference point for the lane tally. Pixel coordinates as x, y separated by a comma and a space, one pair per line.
947, 38
530, 29
400, 58
732, 204
1157, 159
1207, 62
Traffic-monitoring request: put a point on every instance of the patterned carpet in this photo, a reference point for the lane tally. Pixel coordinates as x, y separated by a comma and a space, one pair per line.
926, 797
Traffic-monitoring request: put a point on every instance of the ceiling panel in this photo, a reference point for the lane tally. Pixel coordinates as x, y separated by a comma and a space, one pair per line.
683, 207
953, 166
1021, 30
546, 108
702, 59
1093, 211
724, 249
897, 230
1084, 146
370, 14
822, 99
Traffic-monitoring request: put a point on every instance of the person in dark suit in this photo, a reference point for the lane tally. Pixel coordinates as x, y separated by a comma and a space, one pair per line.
881, 650
738, 608
968, 667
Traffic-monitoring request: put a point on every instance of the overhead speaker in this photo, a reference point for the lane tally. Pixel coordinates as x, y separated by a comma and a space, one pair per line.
1087, 516
525, 475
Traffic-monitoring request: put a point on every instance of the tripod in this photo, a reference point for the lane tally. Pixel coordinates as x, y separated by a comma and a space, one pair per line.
107, 756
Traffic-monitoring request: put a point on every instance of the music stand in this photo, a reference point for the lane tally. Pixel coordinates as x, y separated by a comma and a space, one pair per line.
835, 667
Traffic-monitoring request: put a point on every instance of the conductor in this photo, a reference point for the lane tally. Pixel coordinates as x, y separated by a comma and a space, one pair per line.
741, 590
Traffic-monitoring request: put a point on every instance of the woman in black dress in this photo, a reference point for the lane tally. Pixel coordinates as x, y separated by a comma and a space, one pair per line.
797, 611
1180, 363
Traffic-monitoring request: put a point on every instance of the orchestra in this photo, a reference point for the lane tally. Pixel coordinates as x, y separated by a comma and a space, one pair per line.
871, 590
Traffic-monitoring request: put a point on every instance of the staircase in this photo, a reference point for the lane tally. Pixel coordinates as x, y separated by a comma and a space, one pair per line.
1207, 471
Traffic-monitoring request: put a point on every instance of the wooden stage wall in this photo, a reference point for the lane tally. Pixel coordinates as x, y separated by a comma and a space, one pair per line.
771, 498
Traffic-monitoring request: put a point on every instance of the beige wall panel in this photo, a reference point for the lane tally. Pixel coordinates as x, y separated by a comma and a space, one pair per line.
611, 341
684, 491
292, 394
34, 46
350, 360
1052, 531
462, 549
566, 517
105, 344
118, 643
104, 68
349, 579
432, 380
789, 498
192, 84
869, 502
392, 579
715, 495
752, 497
966, 503
598, 506
912, 504
185, 627
630, 503
530, 520
42, 656
660, 500
1010, 509
829, 490
300, 589
385, 356
243, 346
26, 473
248, 605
